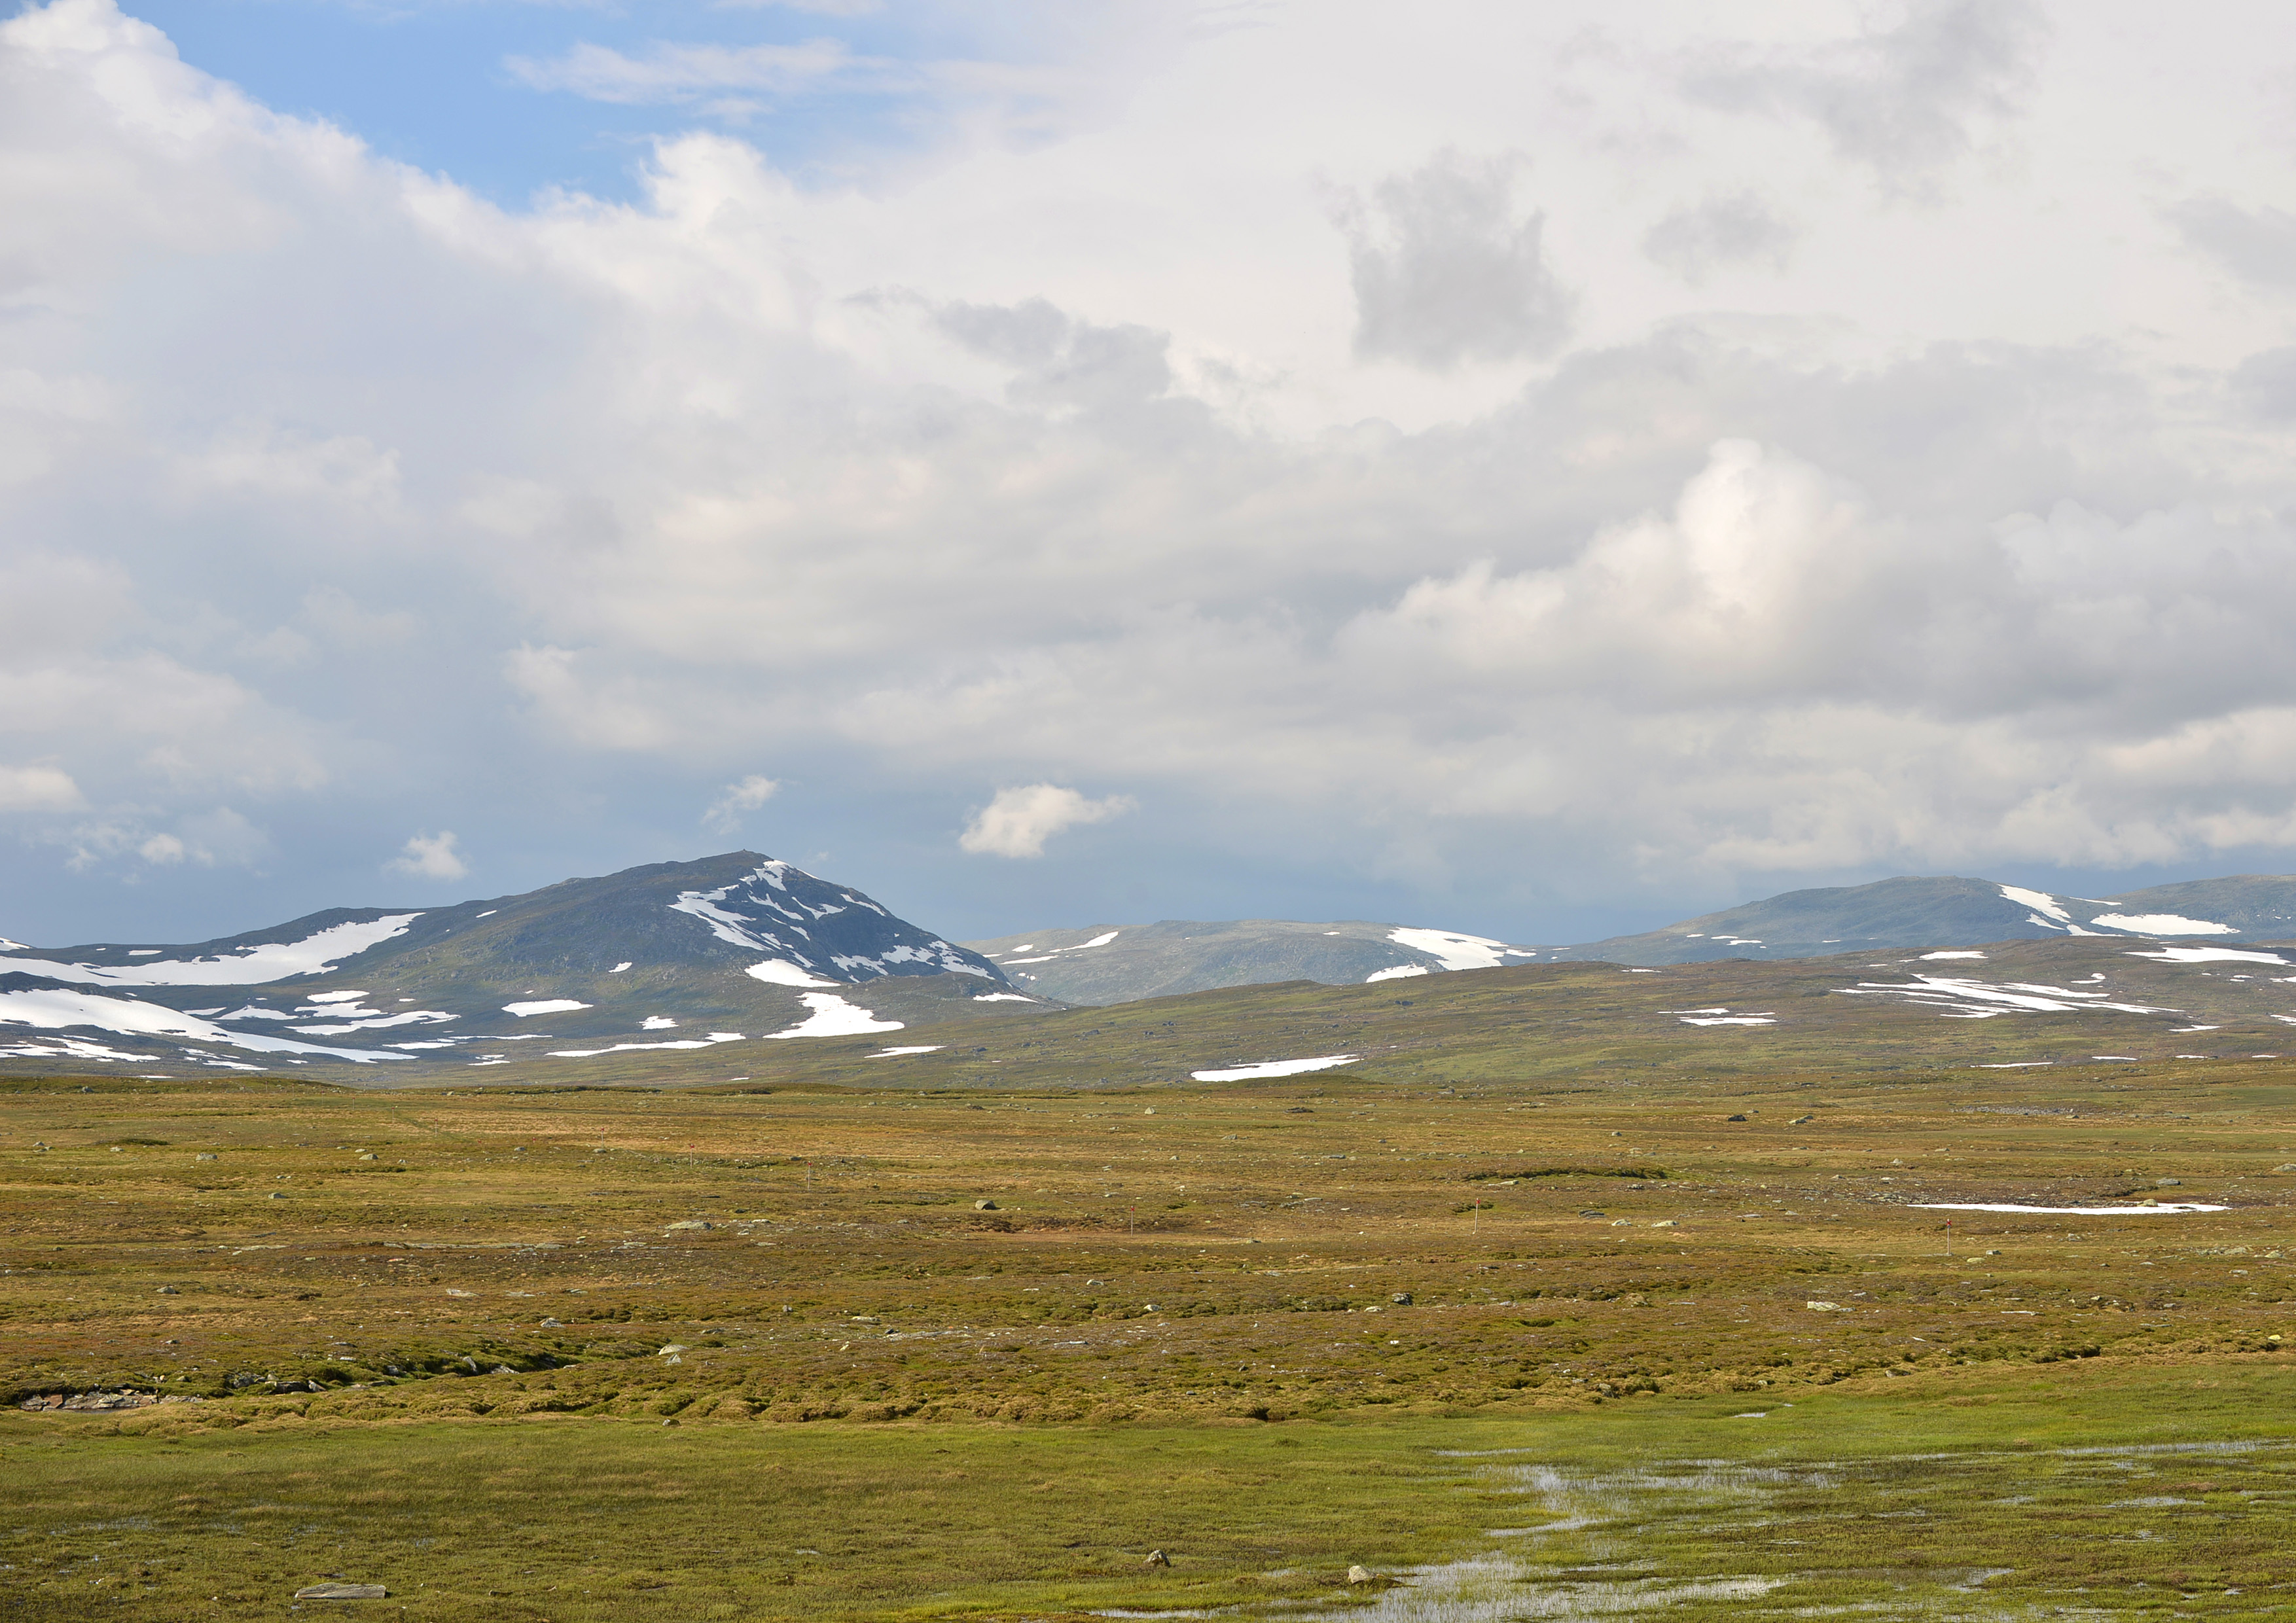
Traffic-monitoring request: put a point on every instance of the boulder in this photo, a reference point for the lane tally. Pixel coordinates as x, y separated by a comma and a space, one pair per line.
1826, 1307
1157, 1557
984, 1206
1360, 1575
342, 1592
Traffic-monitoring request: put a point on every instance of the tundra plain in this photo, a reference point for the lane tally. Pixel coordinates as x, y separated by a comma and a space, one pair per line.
1647, 1333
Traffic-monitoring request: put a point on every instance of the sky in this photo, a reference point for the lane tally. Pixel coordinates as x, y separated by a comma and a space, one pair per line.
1541, 471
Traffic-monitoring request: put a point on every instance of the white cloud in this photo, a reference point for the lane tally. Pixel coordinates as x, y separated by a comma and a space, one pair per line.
160, 850
1019, 821
1471, 537
725, 813
37, 789
430, 856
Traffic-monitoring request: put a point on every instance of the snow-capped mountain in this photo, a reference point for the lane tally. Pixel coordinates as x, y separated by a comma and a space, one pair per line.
728, 949
1947, 912
1110, 963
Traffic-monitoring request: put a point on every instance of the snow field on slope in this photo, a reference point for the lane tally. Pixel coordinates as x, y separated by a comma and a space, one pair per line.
1273, 1068
249, 966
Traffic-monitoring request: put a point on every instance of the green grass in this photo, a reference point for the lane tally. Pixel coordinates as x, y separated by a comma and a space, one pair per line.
2111, 1492
1178, 1329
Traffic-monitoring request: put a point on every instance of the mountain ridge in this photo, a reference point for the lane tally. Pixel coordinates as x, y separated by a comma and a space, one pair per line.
722, 949
1122, 963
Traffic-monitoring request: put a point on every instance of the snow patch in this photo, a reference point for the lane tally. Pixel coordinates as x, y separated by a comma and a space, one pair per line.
2039, 901
1001, 997
249, 966
1927, 956
1398, 972
547, 1006
618, 968
1961, 998
1452, 950
1103, 940
1274, 1067
2161, 924
778, 973
55, 1009
2209, 954
887, 1053
2080, 1211
832, 1016
586, 1053
67, 1048
656, 1022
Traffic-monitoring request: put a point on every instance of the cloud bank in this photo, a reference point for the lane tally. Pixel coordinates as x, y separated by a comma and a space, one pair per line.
1621, 464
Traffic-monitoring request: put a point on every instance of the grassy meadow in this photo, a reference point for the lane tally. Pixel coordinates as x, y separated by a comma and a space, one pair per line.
1538, 1346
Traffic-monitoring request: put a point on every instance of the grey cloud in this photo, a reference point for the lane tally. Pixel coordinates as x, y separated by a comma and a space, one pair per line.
2264, 385
1736, 228
1447, 269
1062, 360
2257, 245
597, 509
1905, 101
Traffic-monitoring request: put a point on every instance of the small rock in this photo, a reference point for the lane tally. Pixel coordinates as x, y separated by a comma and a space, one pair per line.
1664, 1223
865, 1318
1734, 1118
1593, 1214
366, 1158
984, 1206
1797, 1120
169, 1290
671, 1422
342, 1592
1401, 1299
691, 1223
203, 1156
552, 1324
275, 1195
1157, 1557
1361, 1575
1826, 1307
674, 1347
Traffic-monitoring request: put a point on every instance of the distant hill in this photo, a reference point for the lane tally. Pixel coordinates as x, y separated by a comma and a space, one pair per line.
1946, 912
1117, 963
1111, 964
678, 955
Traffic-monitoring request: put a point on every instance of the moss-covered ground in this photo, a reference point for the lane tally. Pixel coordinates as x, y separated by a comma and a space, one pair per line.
1556, 1334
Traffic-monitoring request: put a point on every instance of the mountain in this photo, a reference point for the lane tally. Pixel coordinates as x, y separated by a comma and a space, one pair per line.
689, 954
1116, 964
1947, 912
